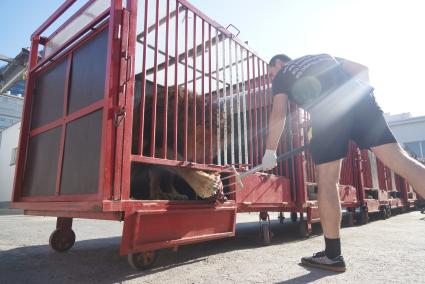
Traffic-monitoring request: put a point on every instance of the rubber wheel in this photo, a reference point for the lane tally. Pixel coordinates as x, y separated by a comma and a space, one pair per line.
389, 212
383, 213
142, 260
350, 219
62, 240
294, 216
303, 229
364, 217
423, 210
265, 234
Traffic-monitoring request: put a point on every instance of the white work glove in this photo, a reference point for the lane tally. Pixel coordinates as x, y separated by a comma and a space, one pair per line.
269, 160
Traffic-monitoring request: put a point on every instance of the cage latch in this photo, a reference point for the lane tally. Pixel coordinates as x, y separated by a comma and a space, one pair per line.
119, 115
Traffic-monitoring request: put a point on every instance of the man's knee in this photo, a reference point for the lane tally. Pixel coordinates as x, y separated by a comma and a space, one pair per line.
328, 173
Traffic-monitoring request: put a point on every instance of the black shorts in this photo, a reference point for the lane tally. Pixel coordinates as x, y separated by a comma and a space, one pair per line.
347, 117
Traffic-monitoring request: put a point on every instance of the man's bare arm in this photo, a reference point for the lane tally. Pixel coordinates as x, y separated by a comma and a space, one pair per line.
357, 70
277, 121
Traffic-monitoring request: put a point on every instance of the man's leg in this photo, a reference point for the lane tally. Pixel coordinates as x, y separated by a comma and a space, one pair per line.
394, 157
330, 217
328, 198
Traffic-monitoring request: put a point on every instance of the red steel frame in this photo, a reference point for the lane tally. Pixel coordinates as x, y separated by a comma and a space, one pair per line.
285, 191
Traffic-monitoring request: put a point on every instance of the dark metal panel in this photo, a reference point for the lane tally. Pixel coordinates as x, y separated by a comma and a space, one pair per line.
48, 95
80, 171
41, 168
88, 73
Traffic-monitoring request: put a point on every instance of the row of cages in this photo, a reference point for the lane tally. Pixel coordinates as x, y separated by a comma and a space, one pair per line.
118, 90
193, 95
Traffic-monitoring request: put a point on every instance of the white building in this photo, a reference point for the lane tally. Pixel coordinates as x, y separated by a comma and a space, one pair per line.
9, 139
10, 110
409, 131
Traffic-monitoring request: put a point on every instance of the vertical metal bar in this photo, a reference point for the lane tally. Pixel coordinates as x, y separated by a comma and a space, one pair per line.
238, 105
210, 94
106, 164
155, 87
143, 83
232, 123
225, 104
251, 136
165, 114
25, 125
194, 130
266, 99
217, 80
260, 96
186, 94
203, 92
176, 82
63, 133
255, 112
244, 98
129, 98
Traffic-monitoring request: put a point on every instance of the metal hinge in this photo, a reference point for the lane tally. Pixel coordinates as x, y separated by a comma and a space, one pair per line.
119, 116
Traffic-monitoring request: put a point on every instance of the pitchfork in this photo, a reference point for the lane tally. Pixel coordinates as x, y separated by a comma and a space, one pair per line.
239, 176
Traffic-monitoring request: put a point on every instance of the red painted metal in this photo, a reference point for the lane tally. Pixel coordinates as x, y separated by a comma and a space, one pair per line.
203, 92
186, 93
58, 206
194, 130
65, 110
69, 43
261, 108
129, 102
248, 86
155, 89
255, 95
112, 216
62, 9
68, 118
210, 95
147, 223
265, 189
165, 115
143, 88
25, 124
190, 226
76, 14
176, 88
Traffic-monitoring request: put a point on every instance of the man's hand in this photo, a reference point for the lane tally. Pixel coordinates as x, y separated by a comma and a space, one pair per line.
269, 160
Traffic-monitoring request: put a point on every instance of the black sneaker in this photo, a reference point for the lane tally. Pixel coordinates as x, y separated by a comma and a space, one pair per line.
320, 260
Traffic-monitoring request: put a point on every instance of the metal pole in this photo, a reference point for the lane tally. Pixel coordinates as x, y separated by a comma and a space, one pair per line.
224, 105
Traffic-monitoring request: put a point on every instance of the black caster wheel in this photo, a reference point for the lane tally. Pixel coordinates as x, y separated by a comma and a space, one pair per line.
62, 240
363, 217
294, 216
303, 229
423, 210
142, 260
350, 219
383, 213
388, 212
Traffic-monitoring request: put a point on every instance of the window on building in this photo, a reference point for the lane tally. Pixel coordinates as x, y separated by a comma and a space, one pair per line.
417, 148
13, 156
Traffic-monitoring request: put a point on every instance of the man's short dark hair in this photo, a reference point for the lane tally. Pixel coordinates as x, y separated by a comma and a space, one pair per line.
282, 57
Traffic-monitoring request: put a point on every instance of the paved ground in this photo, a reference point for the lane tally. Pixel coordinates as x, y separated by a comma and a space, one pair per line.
390, 251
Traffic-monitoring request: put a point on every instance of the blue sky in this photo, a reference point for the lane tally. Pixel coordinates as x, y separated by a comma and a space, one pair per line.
386, 35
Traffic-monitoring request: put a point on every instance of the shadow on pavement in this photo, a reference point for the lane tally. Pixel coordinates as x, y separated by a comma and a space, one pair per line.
98, 260
313, 275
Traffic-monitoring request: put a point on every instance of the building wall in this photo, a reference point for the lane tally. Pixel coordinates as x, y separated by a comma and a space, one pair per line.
410, 133
8, 144
10, 110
